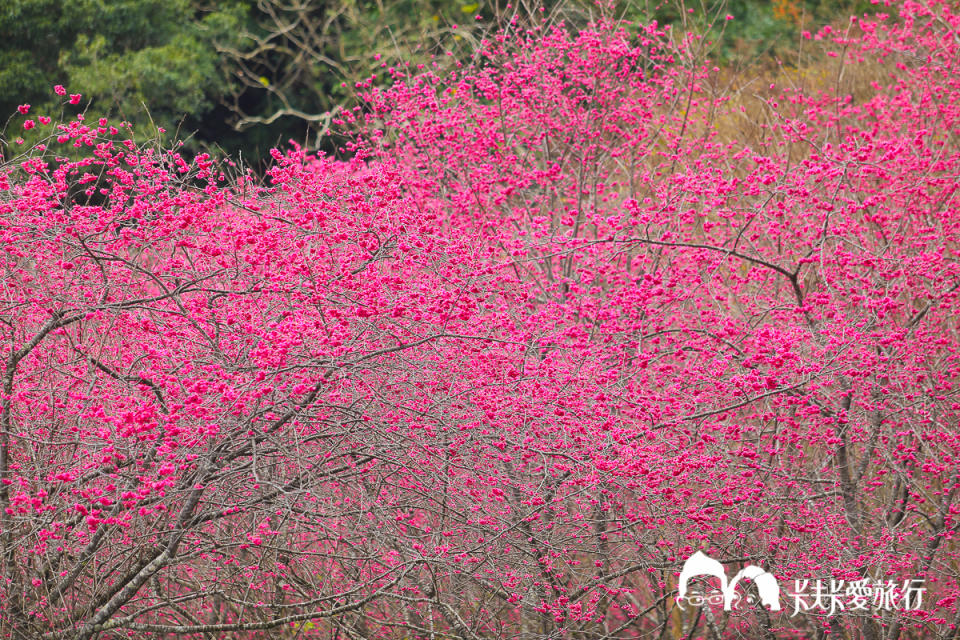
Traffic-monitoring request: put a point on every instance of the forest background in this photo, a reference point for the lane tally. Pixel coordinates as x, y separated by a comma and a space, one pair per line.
239, 77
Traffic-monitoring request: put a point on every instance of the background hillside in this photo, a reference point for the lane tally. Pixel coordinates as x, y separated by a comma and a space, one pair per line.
246, 75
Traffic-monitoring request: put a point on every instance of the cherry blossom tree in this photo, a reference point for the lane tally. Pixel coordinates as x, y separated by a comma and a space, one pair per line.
567, 316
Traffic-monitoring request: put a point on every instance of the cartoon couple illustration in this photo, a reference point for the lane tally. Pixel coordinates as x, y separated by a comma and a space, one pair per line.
700, 564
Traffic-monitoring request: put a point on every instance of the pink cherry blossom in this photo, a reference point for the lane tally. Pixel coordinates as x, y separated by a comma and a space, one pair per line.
559, 318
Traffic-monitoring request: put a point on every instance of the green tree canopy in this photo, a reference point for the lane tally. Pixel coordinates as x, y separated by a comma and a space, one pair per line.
249, 74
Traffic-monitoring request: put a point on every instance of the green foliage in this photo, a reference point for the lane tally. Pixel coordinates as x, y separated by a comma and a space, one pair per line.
760, 30
174, 79
250, 74
143, 60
